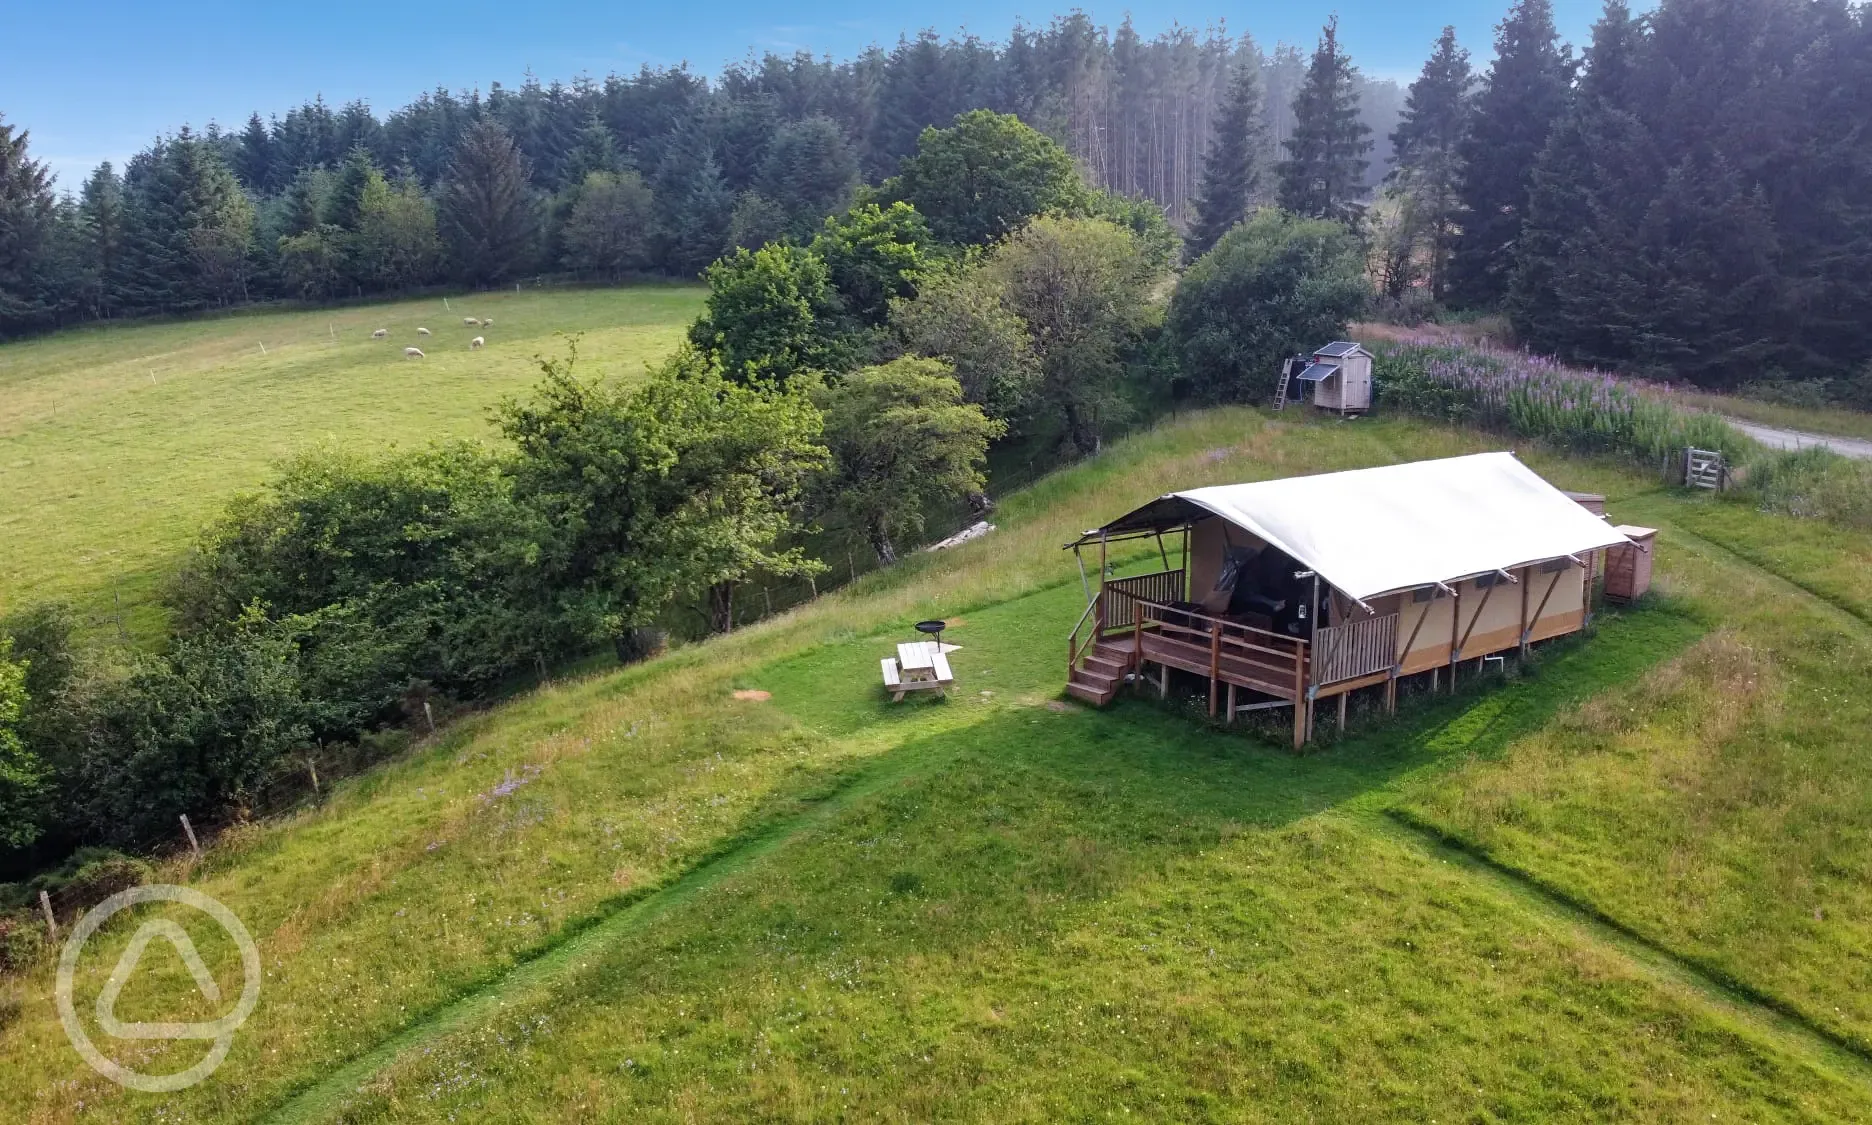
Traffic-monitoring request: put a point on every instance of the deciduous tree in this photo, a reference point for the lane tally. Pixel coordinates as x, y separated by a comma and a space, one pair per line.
1276, 285
902, 441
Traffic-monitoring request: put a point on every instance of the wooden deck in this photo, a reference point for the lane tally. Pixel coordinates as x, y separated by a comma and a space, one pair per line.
1129, 627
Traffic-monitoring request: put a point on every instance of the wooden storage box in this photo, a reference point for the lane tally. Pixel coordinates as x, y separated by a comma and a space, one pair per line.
1628, 566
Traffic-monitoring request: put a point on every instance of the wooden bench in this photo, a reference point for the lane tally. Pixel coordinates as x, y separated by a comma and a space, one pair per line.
899, 687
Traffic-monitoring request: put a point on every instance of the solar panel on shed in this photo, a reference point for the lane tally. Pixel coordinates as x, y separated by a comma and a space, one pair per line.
1317, 371
1338, 348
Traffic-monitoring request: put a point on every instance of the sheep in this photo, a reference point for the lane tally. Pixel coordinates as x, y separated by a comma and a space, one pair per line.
487, 322
422, 332
477, 342
413, 353
380, 334
470, 322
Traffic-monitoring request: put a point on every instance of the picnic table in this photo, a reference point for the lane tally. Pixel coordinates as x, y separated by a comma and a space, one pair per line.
918, 666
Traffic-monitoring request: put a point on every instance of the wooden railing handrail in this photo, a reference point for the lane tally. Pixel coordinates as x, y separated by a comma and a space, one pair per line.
1226, 624
1072, 639
1202, 635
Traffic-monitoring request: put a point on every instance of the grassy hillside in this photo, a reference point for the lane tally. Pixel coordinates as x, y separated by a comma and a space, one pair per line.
117, 443
636, 896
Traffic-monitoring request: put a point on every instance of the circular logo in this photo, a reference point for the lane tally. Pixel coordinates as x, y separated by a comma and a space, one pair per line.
220, 1031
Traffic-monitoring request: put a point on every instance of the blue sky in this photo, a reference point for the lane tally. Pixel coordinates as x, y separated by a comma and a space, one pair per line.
98, 81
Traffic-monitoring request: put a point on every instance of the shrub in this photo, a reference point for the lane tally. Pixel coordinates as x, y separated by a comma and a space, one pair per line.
194, 731
104, 873
22, 940
1273, 286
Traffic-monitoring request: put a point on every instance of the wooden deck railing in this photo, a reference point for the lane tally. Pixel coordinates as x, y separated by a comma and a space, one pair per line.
1359, 648
1238, 653
1121, 594
1075, 645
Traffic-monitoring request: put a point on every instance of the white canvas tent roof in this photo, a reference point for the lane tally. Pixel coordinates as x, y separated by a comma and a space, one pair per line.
1373, 531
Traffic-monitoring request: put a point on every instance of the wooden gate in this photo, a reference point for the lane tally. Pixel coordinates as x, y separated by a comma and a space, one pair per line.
1704, 468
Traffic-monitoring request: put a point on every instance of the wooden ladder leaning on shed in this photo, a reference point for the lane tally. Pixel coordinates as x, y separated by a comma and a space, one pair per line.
1280, 389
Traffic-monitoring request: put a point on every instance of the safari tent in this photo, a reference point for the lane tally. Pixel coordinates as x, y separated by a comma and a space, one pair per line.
1289, 592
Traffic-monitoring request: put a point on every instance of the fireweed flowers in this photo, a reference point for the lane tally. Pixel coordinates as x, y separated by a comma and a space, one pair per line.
1590, 411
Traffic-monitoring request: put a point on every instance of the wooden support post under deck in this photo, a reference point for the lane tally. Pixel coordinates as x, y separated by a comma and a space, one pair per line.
1455, 620
1390, 693
1524, 600
1299, 700
1215, 664
1231, 705
1163, 681
1342, 707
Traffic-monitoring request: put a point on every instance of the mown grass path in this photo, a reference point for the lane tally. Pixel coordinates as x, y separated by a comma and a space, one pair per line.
626, 915
1764, 1016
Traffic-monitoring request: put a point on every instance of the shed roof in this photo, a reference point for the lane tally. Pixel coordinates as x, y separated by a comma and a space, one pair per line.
1318, 371
1340, 348
1372, 531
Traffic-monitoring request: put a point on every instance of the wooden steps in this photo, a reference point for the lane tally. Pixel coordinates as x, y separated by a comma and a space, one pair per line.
1098, 679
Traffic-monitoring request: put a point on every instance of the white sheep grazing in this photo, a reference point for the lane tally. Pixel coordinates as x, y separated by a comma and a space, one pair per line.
487, 322
380, 334
470, 322
422, 332
477, 342
413, 353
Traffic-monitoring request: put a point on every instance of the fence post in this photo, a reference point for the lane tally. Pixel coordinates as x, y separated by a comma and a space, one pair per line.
189, 831
767, 596
430, 714
45, 904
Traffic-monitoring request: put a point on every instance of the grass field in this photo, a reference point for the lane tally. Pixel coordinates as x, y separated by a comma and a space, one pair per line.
1625, 886
117, 444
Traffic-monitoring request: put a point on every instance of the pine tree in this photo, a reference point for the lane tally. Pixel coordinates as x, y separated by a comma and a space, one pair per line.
810, 171
595, 150
1324, 172
694, 206
1524, 94
1424, 146
488, 213
253, 161
1574, 289
1232, 168
188, 228
103, 210
344, 207
27, 293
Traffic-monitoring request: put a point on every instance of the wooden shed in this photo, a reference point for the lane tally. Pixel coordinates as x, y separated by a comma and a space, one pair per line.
1340, 375
1287, 592
1628, 565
